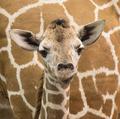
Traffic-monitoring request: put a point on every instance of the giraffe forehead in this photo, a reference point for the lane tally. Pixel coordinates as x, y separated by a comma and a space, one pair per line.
60, 40
59, 33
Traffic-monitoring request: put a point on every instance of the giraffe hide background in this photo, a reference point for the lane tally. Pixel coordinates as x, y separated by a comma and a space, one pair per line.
95, 92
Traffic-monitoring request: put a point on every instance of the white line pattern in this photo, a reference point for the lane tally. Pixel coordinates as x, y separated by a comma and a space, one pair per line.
81, 75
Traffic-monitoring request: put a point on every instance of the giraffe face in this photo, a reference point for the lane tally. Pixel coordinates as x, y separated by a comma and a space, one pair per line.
60, 45
61, 49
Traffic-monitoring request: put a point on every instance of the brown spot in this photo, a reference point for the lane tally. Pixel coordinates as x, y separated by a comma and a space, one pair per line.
91, 116
101, 2
20, 108
106, 109
3, 25
106, 83
118, 116
94, 99
24, 21
76, 103
3, 90
95, 56
82, 15
30, 77
7, 70
54, 114
110, 16
3, 42
52, 12
118, 3
21, 56
13, 6
56, 99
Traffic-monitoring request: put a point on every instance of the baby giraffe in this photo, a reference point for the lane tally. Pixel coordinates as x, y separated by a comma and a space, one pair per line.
60, 47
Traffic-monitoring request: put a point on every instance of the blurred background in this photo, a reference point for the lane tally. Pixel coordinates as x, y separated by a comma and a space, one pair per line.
96, 92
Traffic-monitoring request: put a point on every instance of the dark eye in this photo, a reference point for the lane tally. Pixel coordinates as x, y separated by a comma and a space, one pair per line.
43, 53
78, 49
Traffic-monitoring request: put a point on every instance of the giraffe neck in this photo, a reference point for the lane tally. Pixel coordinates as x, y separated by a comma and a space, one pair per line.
55, 100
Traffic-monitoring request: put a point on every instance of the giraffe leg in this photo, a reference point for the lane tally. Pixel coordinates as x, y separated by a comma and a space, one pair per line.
39, 97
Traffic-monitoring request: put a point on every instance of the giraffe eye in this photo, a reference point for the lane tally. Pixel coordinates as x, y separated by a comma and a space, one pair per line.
78, 49
44, 52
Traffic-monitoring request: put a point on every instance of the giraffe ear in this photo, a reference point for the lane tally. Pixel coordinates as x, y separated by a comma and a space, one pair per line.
91, 32
25, 39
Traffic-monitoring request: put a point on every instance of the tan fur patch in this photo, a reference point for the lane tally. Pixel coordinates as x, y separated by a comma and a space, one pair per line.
56, 99
54, 114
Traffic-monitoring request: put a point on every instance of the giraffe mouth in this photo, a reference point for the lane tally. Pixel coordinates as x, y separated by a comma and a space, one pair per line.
65, 76
66, 81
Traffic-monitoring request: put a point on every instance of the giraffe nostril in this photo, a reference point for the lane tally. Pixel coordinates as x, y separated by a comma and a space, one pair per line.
70, 65
60, 66
65, 66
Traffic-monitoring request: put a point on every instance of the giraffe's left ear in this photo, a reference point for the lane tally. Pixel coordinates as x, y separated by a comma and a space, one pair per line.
25, 39
91, 32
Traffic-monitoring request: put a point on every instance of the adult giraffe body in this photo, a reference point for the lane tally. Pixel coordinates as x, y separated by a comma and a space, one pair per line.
60, 46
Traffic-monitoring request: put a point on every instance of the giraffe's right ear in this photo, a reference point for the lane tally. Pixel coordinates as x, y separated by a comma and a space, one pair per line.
91, 32
25, 39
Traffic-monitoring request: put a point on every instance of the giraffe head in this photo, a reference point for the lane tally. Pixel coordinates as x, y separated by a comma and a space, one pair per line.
60, 45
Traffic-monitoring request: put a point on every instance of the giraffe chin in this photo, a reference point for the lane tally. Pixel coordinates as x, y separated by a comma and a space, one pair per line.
64, 77
67, 81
